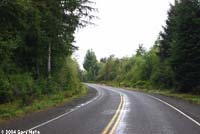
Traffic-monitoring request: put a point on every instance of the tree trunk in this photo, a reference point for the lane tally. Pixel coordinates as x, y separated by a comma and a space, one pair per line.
37, 70
49, 61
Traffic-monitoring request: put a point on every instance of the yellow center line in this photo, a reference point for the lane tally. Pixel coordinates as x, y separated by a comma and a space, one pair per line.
118, 119
115, 117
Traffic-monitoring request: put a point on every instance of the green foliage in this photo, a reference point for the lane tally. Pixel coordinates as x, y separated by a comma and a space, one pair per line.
69, 77
162, 77
90, 65
185, 52
17, 86
15, 109
22, 86
140, 51
5, 92
36, 41
182, 40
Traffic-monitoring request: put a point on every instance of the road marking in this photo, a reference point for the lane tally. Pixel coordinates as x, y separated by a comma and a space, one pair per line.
72, 110
115, 119
118, 119
176, 109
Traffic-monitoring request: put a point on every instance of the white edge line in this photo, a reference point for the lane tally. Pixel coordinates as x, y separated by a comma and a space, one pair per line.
72, 110
176, 109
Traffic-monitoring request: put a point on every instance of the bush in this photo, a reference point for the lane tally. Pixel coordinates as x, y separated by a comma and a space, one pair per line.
140, 84
41, 86
162, 77
6, 93
23, 88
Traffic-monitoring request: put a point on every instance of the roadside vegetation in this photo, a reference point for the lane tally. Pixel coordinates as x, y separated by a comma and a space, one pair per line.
36, 44
15, 109
170, 67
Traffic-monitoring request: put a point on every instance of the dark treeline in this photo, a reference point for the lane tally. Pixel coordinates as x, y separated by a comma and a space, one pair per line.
36, 44
172, 63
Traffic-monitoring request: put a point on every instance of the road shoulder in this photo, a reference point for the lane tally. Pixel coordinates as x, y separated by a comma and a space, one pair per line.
36, 118
193, 110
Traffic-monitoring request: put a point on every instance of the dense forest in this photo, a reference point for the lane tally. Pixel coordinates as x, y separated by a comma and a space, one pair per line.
172, 63
36, 44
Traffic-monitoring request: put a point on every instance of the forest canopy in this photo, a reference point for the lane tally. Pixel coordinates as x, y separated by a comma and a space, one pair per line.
36, 44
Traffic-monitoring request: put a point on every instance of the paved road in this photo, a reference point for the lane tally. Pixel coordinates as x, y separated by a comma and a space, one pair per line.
118, 111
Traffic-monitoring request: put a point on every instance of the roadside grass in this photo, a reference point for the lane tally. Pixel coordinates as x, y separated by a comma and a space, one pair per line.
192, 98
16, 109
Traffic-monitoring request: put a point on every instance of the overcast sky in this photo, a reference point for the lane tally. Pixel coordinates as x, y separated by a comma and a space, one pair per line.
122, 25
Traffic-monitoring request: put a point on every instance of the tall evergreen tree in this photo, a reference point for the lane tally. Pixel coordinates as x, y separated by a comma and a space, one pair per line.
179, 44
185, 52
166, 37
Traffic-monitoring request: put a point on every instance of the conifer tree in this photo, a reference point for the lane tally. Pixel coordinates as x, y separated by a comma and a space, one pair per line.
185, 45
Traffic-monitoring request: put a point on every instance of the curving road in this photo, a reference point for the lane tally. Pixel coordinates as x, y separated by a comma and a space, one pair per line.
118, 111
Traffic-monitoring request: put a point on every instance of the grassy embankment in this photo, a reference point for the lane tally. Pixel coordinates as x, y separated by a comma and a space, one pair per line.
192, 98
15, 109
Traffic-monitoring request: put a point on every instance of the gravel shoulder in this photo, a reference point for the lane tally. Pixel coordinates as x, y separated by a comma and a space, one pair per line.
33, 119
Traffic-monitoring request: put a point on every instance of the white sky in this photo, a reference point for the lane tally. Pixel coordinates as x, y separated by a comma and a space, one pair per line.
123, 24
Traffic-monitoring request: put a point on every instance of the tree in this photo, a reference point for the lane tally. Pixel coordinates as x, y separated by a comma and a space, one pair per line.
36, 42
166, 37
140, 51
179, 44
90, 64
185, 46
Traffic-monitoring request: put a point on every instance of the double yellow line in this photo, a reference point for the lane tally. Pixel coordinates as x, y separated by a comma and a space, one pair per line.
110, 128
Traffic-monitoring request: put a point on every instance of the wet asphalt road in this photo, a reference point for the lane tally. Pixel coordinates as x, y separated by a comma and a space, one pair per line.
140, 114
118, 111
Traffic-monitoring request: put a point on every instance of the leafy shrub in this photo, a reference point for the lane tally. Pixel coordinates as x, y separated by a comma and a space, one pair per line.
6, 93
162, 77
140, 84
23, 88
